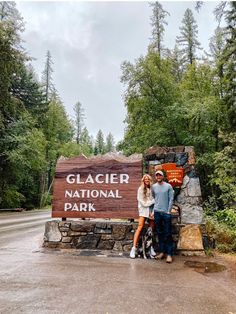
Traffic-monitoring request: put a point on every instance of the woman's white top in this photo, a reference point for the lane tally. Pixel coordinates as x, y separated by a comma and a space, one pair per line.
144, 203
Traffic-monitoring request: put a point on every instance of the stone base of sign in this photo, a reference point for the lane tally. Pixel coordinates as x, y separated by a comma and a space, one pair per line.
105, 235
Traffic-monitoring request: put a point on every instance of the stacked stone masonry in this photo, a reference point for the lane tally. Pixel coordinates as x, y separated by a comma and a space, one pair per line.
107, 235
189, 198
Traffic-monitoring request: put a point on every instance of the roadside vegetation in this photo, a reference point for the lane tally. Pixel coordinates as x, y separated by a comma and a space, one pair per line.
179, 95
186, 96
35, 129
221, 231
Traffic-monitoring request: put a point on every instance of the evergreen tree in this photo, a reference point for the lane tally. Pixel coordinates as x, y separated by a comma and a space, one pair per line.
10, 15
110, 143
176, 60
151, 99
158, 23
57, 131
217, 46
224, 175
99, 143
188, 38
26, 89
79, 121
26, 162
11, 57
229, 60
49, 88
85, 138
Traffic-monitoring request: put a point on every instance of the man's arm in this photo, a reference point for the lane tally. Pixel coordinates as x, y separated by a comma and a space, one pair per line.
171, 198
153, 192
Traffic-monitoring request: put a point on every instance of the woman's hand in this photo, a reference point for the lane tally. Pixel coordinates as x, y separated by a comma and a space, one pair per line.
151, 216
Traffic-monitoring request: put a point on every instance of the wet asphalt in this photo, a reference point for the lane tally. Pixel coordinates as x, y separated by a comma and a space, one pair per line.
38, 280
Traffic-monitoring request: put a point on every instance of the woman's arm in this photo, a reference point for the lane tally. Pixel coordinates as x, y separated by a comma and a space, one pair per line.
145, 202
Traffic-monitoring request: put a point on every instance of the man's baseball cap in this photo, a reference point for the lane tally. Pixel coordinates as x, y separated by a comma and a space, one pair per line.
159, 172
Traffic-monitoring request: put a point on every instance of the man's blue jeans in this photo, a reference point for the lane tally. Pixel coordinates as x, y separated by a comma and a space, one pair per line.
164, 232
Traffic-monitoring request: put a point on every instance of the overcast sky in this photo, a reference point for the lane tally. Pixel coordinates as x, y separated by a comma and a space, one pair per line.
88, 42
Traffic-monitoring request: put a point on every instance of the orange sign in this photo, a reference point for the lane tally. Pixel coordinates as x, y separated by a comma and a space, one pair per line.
174, 175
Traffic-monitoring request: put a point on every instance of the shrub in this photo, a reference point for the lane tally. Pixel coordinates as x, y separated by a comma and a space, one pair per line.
224, 235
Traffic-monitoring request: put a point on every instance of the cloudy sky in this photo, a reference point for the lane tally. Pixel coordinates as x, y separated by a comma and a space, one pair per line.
88, 42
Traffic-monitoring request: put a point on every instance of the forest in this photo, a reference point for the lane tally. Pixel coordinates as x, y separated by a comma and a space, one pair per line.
187, 96
35, 129
180, 96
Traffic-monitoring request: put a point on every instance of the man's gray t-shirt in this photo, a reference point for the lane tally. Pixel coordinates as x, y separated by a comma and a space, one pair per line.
163, 194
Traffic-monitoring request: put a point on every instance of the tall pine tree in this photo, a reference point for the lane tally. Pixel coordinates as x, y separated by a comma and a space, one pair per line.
79, 121
158, 22
48, 87
99, 143
110, 143
188, 38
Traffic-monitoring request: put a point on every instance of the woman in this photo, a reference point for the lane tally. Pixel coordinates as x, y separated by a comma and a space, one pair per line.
145, 201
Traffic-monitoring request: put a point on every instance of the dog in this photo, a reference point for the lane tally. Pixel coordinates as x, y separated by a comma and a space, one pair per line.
145, 250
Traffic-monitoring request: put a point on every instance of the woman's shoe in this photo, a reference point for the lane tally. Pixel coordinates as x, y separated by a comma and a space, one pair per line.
152, 252
132, 253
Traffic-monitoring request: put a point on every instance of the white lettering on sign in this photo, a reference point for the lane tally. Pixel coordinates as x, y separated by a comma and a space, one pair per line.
80, 207
92, 193
83, 194
108, 178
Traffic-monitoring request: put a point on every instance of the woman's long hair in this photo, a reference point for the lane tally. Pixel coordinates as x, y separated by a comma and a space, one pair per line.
145, 188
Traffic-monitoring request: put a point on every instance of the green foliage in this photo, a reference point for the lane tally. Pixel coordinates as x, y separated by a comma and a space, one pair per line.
48, 87
224, 175
171, 97
158, 23
188, 38
227, 216
11, 198
99, 143
178, 100
110, 143
79, 121
152, 97
222, 232
71, 149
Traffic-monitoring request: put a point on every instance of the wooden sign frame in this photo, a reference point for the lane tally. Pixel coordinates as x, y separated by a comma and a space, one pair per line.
97, 187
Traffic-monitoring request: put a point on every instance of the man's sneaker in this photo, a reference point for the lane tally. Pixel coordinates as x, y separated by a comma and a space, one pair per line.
160, 256
132, 252
152, 252
169, 259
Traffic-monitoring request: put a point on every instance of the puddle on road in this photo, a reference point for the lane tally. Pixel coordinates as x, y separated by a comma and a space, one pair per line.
100, 253
205, 267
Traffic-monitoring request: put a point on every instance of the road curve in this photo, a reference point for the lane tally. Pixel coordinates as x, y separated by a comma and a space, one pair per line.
18, 225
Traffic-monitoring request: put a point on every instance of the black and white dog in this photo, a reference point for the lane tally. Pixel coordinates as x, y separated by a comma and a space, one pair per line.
145, 249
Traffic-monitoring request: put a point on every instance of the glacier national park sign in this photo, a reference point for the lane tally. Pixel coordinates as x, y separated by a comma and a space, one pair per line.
97, 187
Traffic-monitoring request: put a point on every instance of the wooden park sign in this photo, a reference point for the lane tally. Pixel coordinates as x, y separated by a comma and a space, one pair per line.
97, 187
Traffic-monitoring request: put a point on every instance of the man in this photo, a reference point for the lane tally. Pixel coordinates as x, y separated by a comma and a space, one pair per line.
163, 194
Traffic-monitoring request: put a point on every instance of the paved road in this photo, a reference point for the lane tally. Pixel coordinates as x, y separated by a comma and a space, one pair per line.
37, 280
21, 225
